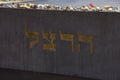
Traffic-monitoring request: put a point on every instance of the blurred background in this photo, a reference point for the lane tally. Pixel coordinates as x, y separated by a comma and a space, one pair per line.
77, 3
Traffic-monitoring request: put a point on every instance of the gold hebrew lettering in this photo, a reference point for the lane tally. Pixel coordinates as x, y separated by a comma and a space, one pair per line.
35, 36
50, 37
85, 38
32, 35
68, 37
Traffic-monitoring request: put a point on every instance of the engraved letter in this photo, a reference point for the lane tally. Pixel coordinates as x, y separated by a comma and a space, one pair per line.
32, 35
50, 37
68, 37
86, 38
